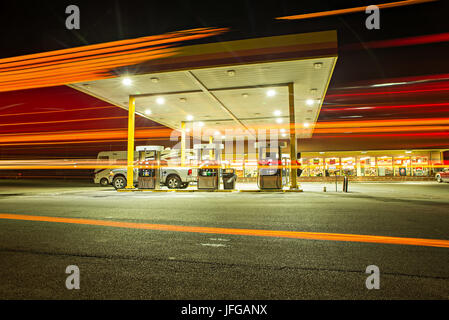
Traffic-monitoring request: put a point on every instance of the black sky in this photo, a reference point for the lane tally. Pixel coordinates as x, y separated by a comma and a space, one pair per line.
36, 26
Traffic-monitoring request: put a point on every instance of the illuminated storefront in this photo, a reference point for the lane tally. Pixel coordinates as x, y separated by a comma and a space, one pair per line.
385, 163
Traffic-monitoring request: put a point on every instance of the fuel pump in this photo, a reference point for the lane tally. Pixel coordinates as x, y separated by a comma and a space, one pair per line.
209, 164
269, 167
149, 167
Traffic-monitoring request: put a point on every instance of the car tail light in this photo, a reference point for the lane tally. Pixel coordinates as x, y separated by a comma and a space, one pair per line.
189, 172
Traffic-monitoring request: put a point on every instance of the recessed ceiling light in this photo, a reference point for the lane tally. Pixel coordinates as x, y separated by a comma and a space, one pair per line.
189, 117
200, 124
277, 113
188, 130
155, 80
223, 137
245, 95
309, 102
217, 133
306, 125
313, 91
127, 81
148, 112
279, 120
160, 100
271, 93
283, 130
318, 65
231, 73
182, 100
284, 135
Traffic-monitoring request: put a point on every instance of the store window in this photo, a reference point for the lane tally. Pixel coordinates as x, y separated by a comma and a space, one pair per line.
420, 166
332, 166
348, 166
385, 166
367, 167
402, 166
316, 167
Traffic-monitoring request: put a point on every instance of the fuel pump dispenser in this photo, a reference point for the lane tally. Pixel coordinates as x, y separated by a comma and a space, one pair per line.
149, 167
209, 164
269, 167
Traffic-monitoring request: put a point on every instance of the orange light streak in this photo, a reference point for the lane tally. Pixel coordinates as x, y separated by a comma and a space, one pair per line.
352, 10
90, 63
240, 232
55, 111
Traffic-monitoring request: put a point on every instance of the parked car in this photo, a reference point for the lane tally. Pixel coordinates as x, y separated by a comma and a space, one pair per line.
171, 174
172, 177
443, 176
102, 175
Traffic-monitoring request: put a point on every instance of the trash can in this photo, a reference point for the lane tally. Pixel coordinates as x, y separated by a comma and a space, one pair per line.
229, 179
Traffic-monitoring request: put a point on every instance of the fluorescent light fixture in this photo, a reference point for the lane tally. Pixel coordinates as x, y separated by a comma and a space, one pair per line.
279, 120
217, 133
148, 112
409, 151
160, 100
271, 93
127, 81
283, 130
189, 117
223, 137
284, 135
200, 124
277, 113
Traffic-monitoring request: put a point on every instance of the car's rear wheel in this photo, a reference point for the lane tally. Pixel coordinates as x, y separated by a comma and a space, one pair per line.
104, 182
173, 182
119, 182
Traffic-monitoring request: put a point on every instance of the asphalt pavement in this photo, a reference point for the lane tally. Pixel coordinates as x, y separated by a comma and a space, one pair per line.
132, 263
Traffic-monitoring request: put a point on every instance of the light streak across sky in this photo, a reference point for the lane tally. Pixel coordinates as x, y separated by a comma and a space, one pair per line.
352, 10
89, 63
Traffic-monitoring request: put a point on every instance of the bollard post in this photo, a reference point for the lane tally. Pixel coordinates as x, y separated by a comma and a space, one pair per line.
345, 184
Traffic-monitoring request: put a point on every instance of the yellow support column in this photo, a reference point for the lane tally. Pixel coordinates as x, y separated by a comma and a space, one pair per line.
211, 152
131, 127
183, 144
293, 150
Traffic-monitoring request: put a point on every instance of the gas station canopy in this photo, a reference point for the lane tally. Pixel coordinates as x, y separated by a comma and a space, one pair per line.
242, 85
